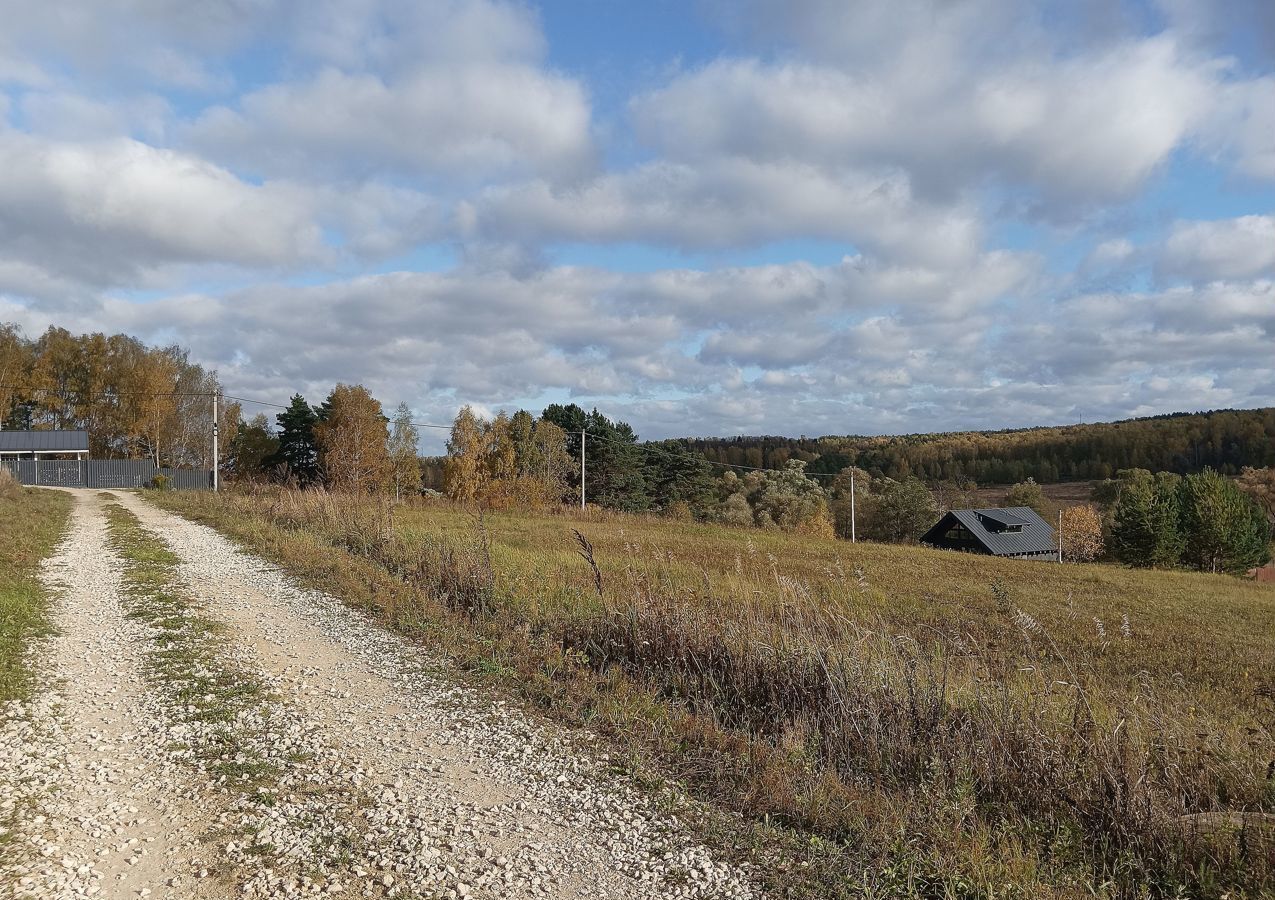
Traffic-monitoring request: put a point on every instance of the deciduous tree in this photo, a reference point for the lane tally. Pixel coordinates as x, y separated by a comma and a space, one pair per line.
404, 455
1081, 534
353, 441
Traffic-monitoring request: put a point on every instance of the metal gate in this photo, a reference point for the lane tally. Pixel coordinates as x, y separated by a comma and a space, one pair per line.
60, 472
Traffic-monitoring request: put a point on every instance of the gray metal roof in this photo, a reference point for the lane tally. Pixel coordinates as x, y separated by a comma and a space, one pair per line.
1036, 536
46, 441
1003, 516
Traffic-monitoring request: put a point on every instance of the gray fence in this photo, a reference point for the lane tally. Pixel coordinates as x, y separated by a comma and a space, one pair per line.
105, 473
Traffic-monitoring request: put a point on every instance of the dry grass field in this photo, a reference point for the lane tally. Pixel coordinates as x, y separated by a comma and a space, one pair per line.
891, 721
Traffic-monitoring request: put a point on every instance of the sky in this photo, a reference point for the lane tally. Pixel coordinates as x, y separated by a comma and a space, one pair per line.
706, 217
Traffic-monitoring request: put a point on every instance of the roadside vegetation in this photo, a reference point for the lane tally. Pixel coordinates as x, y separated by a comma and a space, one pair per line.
31, 521
910, 722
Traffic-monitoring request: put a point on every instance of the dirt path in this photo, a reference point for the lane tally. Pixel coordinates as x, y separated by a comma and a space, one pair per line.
463, 796
110, 814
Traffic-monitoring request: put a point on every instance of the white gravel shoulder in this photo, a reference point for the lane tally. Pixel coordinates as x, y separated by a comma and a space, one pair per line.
100, 808
464, 796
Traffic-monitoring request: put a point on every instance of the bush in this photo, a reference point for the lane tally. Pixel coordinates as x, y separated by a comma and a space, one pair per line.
160, 483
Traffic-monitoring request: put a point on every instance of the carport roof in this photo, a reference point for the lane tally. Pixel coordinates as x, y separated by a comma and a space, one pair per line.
44, 441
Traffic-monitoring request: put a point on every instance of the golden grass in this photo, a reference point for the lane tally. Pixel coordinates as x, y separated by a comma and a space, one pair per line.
928, 723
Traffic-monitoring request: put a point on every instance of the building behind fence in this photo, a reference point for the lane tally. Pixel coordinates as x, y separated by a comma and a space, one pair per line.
60, 459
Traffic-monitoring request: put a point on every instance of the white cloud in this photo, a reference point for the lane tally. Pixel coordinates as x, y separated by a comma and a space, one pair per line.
734, 202
108, 210
1091, 128
437, 121
1225, 249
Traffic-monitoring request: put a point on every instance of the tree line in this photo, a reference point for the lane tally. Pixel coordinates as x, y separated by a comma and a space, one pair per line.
152, 402
1184, 443
135, 401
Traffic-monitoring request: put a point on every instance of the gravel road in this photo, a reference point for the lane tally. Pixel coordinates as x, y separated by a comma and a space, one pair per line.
102, 809
434, 790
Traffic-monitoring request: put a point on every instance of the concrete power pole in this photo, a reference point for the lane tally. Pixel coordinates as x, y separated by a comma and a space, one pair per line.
582, 434
215, 447
1060, 542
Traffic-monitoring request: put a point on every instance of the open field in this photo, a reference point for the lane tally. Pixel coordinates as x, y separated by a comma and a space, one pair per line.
927, 724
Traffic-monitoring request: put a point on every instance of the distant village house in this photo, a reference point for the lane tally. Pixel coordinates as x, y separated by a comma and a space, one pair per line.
1017, 531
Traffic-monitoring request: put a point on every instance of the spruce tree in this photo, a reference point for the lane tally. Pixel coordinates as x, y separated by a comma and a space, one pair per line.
297, 448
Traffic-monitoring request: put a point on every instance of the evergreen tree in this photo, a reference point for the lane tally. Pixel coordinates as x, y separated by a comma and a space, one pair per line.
613, 470
251, 450
676, 475
297, 448
1223, 528
1146, 528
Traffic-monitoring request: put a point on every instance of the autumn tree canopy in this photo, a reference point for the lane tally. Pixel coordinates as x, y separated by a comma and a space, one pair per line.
353, 441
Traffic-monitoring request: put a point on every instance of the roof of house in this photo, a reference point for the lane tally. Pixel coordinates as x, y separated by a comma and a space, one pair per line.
44, 441
1035, 537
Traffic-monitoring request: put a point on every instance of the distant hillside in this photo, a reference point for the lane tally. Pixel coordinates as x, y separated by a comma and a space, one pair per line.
1225, 439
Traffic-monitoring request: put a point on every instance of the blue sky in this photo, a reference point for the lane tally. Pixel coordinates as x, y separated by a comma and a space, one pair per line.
712, 217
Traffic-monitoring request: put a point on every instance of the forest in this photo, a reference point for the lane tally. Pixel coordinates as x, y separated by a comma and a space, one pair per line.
1226, 440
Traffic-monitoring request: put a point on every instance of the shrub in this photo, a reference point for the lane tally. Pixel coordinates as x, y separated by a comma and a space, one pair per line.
160, 482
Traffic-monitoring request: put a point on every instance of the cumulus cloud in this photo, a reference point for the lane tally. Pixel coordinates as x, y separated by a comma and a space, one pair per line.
436, 121
965, 172
1090, 128
107, 211
1225, 249
734, 202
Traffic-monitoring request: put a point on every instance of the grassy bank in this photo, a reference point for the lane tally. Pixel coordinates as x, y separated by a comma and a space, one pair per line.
922, 723
31, 522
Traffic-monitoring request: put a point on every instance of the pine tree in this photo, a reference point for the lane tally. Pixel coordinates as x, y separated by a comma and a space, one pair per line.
1224, 529
297, 448
1146, 526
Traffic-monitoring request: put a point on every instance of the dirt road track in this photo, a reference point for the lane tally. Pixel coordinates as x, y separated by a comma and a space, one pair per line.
124, 817
459, 795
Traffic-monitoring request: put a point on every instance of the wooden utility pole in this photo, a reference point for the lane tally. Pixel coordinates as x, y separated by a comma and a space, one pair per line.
582, 434
1060, 541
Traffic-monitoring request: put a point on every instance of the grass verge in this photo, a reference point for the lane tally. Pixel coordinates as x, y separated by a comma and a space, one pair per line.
31, 522
893, 721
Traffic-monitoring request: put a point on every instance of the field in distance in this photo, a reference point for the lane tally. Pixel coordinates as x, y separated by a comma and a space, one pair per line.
922, 723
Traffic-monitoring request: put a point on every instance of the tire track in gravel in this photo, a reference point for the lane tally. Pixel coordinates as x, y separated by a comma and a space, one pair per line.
112, 815
466, 797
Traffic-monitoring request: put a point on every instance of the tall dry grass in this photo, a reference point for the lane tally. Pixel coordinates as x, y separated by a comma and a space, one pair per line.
10, 487
804, 698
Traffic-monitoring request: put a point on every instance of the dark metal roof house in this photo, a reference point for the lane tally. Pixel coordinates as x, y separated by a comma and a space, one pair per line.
43, 443
1017, 531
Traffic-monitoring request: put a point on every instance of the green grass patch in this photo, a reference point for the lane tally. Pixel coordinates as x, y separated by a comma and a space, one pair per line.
31, 522
202, 686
